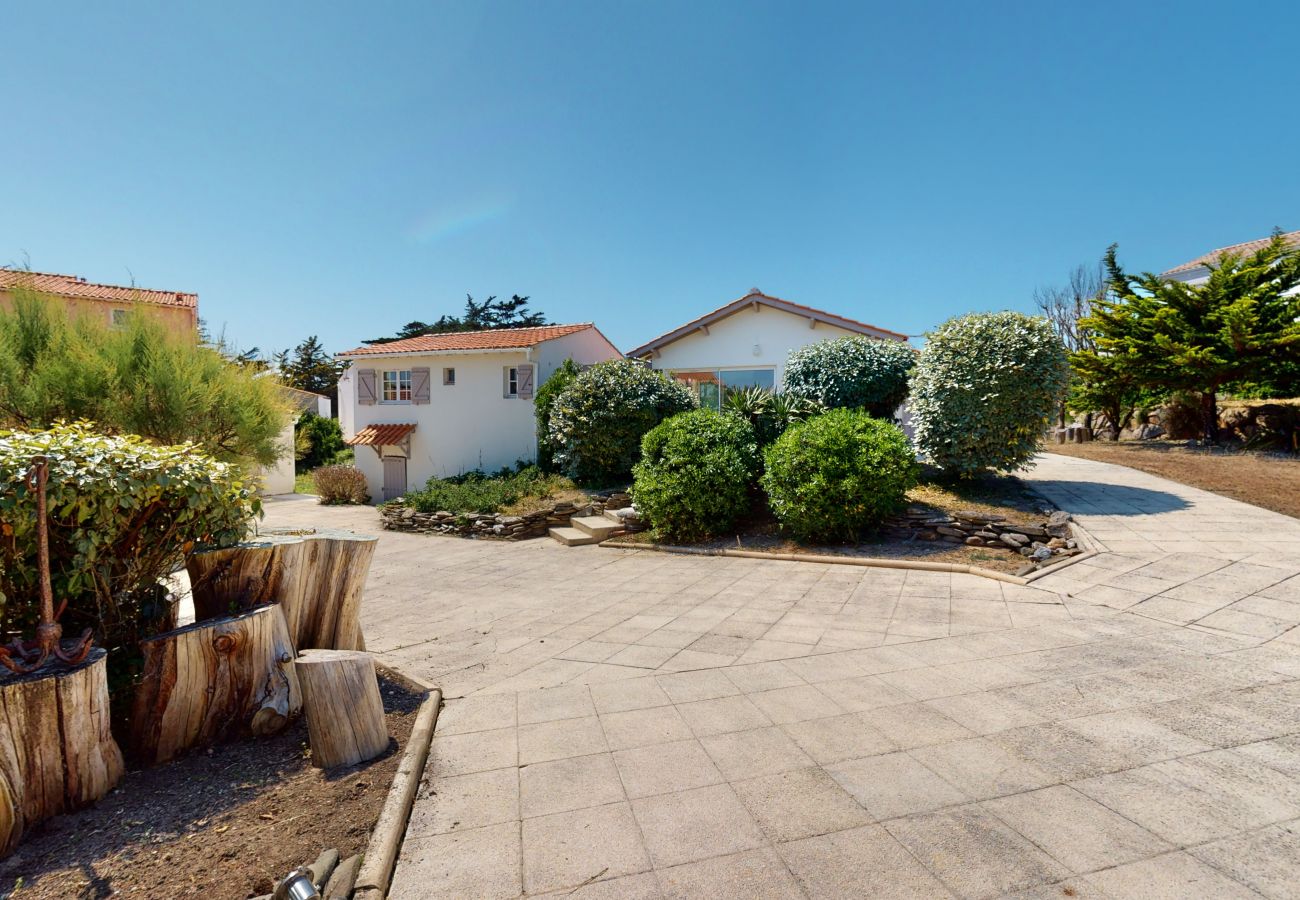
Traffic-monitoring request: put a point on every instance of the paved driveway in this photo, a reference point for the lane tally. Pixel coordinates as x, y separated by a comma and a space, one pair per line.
632, 724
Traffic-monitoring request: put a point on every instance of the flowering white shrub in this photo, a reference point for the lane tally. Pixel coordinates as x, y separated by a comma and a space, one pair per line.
985, 389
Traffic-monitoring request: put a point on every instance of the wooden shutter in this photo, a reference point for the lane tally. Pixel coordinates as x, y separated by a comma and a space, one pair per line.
420, 385
524, 383
366, 387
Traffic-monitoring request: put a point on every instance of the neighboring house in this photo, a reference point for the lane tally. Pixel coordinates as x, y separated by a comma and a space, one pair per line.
1197, 271
443, 404
745, 344
111, 303
279, 478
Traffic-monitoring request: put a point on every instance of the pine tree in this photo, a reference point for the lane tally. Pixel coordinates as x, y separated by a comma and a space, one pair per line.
309, 368
479, 315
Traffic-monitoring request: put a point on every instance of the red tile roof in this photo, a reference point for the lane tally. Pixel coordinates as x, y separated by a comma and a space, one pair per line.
1249, 247
72, 286
379, 435
496, 339
757, 296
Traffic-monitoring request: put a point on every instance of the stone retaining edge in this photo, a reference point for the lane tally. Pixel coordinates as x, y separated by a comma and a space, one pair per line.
386, 840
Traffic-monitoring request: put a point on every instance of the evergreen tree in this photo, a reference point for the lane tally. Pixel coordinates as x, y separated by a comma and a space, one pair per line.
308, 367
484, 315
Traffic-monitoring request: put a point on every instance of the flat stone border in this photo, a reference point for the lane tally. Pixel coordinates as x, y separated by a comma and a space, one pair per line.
865, 561
386, 839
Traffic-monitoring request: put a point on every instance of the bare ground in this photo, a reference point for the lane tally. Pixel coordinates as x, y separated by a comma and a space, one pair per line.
1269, 480
225, 823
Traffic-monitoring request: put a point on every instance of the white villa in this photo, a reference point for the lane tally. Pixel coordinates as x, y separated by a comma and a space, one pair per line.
443, 404
1197, 271
745, 343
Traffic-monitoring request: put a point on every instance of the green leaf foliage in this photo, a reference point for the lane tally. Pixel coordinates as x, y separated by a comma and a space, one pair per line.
837, 475
321, 440
138, 379
1241, 325
768, 413
543, 400
694, 477
985, 389
478, 492
123, 512
597, 422
851, 373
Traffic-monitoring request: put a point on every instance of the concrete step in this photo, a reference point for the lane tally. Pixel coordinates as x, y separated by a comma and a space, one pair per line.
573, 537
597, 526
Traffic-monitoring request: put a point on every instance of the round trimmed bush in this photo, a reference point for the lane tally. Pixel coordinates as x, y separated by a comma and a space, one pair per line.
597, 422
852, 373
834, 476
694, 475
985, 390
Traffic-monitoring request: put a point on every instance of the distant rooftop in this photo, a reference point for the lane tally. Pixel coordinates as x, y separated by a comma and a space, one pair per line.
74, 286
494, 339
1245, 249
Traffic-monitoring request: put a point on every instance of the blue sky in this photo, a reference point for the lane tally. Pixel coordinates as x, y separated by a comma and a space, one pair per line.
342, 169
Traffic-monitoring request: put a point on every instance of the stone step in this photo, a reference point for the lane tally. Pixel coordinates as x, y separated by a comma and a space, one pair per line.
597, 526
573, 537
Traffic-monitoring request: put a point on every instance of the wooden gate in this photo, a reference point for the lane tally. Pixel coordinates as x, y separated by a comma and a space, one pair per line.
394, 476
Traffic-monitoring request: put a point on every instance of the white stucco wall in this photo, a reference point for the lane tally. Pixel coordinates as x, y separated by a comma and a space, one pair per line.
468, 425
754, 338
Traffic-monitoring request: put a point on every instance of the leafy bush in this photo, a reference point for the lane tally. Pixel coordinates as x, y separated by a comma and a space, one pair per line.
122, 512
769, 414
543, 400
985, 390
137, 379
695, 472
838, 474
852, 373
340, 485
318, 439
597, 422
480, 492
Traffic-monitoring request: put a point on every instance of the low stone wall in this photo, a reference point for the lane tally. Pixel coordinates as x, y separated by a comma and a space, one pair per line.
1035, 542
508, 527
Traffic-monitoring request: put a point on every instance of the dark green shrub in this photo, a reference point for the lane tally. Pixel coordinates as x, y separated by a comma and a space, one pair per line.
319, 440
985, 390
122, 514
852, 373
543, 400
769, 414
837, 475
695, 473
337, 485
597, 422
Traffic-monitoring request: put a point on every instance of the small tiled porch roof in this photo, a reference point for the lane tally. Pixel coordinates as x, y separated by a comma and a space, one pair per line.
380, 435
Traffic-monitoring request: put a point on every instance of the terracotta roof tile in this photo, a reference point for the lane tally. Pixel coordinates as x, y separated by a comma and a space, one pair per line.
379, 435
496, 339
1291, 237
757, 296
72, 286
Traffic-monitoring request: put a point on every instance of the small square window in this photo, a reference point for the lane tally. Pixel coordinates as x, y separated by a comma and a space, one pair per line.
397, 386
118, 317
449, 376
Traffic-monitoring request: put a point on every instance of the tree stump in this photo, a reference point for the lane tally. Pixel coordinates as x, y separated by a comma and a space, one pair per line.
345, 715
214, 680
57, 751
316, 577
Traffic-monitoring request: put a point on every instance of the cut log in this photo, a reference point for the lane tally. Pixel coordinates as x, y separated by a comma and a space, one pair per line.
345, 715
57, 751
316, 576
214, 680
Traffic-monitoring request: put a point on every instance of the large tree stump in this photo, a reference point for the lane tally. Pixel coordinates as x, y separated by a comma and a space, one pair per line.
57, 751
345, 714
317, 577
214, 680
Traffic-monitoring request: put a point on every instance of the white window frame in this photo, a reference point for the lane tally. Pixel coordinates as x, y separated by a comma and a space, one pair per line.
512, 381
396, 389
449, 376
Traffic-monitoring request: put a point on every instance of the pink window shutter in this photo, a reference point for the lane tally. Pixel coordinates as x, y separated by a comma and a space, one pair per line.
525, 385
366, 387
420, 385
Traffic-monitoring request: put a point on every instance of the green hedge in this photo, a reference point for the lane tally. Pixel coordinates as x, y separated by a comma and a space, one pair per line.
852, 373
837, 475
123, 512
695, 473
597, 422
985, 390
